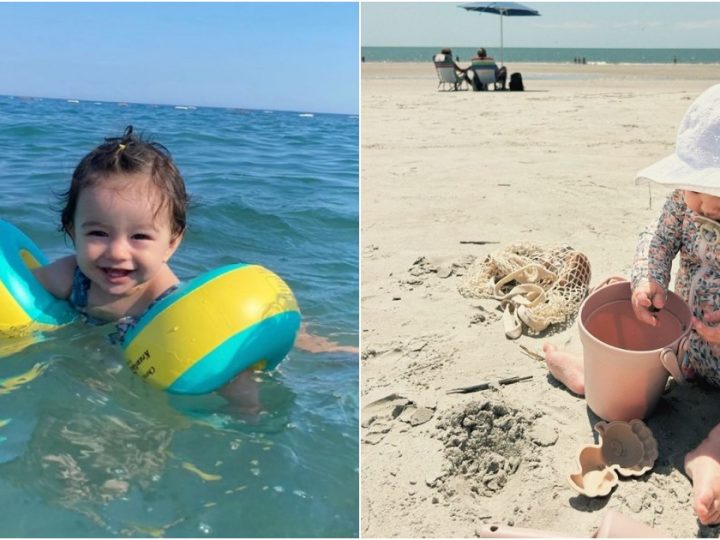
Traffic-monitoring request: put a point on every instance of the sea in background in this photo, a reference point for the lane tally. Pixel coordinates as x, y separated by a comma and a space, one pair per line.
87, 449
550, 55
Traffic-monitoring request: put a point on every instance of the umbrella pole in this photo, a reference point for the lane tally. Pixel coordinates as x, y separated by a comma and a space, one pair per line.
501, 39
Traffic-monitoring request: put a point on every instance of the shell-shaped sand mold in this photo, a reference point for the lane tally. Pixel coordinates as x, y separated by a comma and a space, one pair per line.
627, 448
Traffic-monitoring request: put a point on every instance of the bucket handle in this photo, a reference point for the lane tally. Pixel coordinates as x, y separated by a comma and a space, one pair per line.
616, 278
671, 362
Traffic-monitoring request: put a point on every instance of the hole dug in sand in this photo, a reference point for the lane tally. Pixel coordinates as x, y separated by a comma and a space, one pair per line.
485, 441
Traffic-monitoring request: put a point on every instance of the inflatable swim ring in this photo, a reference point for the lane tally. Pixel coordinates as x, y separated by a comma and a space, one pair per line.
212, 328
25, 305
191, 342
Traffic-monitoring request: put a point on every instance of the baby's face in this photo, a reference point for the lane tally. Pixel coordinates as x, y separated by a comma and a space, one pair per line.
703, 204
121, 241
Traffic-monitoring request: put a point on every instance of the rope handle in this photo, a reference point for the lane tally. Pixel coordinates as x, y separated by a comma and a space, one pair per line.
615, 278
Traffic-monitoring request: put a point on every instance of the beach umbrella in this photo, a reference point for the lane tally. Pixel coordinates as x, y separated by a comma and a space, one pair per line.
504, 9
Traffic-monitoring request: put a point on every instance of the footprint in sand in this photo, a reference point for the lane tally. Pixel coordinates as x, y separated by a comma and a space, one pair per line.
483, 316
379, 416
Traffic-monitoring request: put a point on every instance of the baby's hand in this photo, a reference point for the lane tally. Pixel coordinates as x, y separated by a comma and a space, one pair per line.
647, 298
711, 334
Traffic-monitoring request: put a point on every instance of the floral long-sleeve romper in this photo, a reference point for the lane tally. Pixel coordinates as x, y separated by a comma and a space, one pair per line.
698, 278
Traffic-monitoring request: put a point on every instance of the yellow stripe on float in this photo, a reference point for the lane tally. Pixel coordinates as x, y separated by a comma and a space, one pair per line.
195, 324
12, 314
29, 259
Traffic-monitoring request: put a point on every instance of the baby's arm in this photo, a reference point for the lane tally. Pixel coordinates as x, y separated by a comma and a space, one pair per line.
708, 330
659, 243
656, 249
648, 297
317, 344
57, 276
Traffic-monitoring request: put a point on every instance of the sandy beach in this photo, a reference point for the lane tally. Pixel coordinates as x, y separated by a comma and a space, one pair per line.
448, 178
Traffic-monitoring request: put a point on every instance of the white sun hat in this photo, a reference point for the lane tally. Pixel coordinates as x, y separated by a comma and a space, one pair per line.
695, 165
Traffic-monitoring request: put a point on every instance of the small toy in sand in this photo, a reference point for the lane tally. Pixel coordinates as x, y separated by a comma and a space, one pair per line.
627, 448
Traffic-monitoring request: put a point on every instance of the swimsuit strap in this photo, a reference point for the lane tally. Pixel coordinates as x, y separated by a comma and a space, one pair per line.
79, 300
80, 287
167, 292
79, 297
128, 322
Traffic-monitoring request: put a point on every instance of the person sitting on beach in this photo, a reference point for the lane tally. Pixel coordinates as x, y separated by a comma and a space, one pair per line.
483, 62
689, 224
445, 56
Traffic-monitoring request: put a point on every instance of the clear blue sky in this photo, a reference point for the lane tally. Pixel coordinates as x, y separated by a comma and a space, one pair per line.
561, 24
282, 56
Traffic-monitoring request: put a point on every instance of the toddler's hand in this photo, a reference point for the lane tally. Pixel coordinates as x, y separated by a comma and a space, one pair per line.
711, 334
648, 297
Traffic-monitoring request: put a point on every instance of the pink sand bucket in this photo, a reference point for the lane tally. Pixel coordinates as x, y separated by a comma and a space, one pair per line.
627, 362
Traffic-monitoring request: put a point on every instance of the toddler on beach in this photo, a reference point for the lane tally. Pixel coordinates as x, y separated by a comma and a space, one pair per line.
689, 224
125, 211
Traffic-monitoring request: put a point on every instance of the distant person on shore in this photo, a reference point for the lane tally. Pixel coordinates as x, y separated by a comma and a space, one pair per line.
689, 225
445, 56
483, 61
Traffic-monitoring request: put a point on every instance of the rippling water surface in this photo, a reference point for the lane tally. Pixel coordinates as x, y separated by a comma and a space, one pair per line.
86, 448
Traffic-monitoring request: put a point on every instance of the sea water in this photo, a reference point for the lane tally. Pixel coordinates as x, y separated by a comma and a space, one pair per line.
549, 54
87, 448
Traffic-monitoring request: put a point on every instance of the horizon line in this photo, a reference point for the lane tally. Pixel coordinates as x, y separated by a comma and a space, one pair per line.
125, 102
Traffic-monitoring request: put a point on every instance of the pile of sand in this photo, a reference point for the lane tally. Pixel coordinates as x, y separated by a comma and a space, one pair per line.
484, 442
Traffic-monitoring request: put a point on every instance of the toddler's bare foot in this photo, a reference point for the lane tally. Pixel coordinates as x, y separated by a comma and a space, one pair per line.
566, 368
702, 465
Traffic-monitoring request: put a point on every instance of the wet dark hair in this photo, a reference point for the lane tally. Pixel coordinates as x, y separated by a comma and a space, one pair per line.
129, 154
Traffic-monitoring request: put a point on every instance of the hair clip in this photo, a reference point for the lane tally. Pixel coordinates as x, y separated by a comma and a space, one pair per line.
121, 147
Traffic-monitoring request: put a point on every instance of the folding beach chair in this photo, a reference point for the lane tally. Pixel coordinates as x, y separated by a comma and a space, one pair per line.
447, 76
485, 72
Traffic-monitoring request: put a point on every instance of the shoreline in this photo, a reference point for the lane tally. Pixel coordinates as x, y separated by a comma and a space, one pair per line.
697, 72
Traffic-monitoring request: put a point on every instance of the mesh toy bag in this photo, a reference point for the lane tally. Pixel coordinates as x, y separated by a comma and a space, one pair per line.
536, 285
